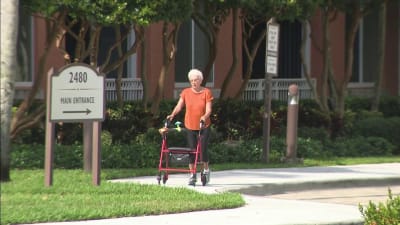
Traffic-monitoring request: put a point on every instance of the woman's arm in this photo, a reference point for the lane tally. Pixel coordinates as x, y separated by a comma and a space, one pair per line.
177, 109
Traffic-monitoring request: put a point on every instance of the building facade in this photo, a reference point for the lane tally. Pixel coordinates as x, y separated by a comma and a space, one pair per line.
192, 52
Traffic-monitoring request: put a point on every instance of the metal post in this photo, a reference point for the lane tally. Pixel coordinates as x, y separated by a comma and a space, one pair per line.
267, 118
87, 146
292, 118
96, 157
49, 139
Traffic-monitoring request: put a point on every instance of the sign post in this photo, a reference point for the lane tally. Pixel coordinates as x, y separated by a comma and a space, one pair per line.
271, 68
75, 94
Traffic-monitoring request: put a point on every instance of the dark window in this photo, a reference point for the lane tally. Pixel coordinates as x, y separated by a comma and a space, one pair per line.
289, 63
107, 39
24, 54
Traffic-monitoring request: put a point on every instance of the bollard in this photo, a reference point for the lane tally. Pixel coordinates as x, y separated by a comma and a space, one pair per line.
291, 129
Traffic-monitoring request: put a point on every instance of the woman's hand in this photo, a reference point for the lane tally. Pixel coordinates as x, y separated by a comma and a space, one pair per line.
170, 117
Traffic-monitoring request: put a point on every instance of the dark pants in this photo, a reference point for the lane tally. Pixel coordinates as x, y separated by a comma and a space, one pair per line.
192, 136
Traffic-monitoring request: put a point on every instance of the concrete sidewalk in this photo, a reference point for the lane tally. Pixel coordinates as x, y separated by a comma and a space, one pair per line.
264, 191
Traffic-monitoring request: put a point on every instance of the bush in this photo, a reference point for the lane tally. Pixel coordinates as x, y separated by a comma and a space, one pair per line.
245, 151
316, 133
389, 128
383, 213
360, 146
310, 148
135, 155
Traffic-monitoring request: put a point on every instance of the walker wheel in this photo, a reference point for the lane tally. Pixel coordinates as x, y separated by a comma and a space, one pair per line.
159, 179
203, 179
165, 178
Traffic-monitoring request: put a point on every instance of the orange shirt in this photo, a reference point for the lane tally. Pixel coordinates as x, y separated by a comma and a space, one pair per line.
196, 107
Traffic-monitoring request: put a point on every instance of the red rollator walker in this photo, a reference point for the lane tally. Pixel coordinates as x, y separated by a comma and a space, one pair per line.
167, 152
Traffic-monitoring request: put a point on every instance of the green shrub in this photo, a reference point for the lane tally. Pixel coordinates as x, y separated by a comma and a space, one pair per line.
360, 146
136, 155
316, 133
245, 151
126, 122
389, 128
382, 213
27, 156
310, 148
390, 106
130, 156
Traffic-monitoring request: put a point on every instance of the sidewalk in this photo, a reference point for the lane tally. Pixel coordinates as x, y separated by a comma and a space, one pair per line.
264, 191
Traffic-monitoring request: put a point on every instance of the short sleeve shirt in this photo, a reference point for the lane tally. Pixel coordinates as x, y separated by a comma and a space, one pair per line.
195, 103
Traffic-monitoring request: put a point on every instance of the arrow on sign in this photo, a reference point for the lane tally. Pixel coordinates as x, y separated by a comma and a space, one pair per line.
87, 111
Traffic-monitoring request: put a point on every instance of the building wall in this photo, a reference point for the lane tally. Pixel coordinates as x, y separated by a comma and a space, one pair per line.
221, 66
224, 56
337, 38
392, 49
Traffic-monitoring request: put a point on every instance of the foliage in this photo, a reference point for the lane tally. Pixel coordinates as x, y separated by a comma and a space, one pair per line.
377, 126
130, 122
72, 197
144, 152
382, 213
360, 147
126, 122
111, 12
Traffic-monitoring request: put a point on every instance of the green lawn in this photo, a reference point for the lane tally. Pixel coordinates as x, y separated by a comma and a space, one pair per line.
73, 196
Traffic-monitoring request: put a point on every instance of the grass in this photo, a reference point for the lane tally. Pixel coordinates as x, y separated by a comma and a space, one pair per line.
73, 197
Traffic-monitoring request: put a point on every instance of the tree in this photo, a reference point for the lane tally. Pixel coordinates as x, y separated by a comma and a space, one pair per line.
333, 88
83, 21
9, 17
172, 14
256, 14
209, 15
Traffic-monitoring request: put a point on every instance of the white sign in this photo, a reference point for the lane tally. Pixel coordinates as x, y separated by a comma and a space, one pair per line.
273, 37
77, 93
272, 64
271, 57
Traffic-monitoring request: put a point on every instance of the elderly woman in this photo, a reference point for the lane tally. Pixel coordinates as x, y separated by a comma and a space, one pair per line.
197, 101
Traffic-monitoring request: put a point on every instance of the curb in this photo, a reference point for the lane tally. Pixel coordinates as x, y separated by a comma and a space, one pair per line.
272, 189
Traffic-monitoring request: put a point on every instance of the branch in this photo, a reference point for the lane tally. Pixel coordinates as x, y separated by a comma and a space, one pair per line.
29, 121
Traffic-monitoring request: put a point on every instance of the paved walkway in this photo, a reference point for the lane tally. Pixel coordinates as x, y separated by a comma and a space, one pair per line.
284, 196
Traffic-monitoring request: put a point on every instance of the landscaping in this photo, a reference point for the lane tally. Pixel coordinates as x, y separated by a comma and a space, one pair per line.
131, 147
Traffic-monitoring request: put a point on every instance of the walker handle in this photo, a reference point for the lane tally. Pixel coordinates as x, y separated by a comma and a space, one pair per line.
166, 123
202, 124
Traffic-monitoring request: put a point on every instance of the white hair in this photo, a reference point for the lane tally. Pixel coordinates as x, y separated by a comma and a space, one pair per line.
195, 73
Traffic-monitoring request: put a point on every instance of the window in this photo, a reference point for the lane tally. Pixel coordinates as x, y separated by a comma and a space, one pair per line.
192, 52
289, 62
25, 50
365, 50
108, 39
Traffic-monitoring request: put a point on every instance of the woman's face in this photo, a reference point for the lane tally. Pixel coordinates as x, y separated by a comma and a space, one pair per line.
195, 82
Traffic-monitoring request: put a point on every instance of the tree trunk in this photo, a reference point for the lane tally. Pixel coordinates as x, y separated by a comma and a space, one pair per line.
22, 119
120, 70
351, 33
250, 53
143, 73
169, 49
306, 71
380, 57
233, 67
9, 34
325, 56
